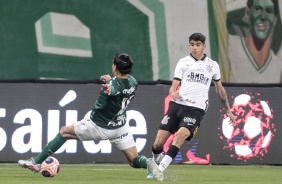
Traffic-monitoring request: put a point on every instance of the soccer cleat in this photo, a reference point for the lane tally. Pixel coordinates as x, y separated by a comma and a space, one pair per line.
30, 164
149, 175
158, 160
154, 169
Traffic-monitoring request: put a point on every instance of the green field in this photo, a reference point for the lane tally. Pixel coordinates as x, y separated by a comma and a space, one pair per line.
123, 174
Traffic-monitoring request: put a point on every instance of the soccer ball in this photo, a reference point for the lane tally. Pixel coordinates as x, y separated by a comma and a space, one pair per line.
50, 167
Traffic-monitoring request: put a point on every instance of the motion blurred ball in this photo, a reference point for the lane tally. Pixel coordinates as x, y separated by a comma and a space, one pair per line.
50, 167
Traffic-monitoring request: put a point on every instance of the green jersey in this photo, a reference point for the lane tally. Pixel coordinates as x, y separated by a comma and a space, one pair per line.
109, 110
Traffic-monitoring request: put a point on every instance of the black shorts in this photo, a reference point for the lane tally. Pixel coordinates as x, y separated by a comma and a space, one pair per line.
182, 116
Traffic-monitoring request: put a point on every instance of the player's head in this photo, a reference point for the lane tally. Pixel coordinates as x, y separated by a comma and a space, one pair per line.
262, 17
123, 63
197, 45
198, 37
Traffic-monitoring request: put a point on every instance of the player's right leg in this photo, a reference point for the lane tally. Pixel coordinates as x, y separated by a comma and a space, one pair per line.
157, 160
157, 148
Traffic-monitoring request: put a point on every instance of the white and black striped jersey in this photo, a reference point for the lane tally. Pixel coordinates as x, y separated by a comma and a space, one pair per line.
196, 76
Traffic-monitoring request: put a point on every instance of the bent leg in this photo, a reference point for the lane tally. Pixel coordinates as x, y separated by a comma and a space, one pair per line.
181, 135
157, 148
124, 141
161, 138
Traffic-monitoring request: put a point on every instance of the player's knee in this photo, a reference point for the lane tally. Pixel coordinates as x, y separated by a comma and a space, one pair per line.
63, 131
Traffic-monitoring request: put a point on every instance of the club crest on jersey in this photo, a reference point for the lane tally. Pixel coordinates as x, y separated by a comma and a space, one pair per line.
209, 68
165, 120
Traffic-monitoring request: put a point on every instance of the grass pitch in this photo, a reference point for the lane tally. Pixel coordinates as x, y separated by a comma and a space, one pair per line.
123, 174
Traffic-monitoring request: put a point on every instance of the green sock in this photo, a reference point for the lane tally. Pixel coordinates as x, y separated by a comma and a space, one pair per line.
50, 148
140, 162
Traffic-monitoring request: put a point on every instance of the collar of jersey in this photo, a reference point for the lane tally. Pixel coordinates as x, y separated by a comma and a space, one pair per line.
198, 59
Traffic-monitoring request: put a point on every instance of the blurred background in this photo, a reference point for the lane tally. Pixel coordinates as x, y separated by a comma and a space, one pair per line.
76, 39
51, 47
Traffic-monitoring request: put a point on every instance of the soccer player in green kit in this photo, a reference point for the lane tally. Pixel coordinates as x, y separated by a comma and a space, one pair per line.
107, 119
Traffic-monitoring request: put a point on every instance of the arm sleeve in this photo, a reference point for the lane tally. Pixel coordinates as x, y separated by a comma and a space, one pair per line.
115, 88
178, 72
216, 76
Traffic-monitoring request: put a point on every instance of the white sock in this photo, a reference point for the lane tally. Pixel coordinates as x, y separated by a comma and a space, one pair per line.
165, 162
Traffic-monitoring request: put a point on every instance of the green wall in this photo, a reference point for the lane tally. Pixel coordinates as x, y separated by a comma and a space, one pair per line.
115, 26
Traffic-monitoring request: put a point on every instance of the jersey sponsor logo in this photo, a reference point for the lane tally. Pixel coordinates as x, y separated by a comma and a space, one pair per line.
190, 101
112, 123
197, 77
189, 121
122, 136
121, 120
129, 91
165, 120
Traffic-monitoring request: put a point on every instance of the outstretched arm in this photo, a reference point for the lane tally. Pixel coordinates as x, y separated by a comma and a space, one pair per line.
220, 91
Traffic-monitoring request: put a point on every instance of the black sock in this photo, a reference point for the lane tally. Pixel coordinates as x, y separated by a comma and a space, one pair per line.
172, 152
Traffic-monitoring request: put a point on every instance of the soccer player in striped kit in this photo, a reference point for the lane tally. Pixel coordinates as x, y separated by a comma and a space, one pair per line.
189, 92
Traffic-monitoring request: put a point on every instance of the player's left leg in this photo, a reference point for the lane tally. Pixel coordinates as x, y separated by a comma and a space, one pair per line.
124, 141
135, 160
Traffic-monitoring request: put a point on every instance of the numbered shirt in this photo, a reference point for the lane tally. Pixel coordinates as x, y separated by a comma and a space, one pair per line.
109, 110
195, 76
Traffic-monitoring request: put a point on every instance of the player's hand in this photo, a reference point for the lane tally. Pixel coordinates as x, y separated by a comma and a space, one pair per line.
106, 88
175, 95
105, 78
231, 118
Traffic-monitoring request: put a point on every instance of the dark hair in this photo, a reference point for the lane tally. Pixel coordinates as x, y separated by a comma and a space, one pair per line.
198, 37
275, 4
123, 63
